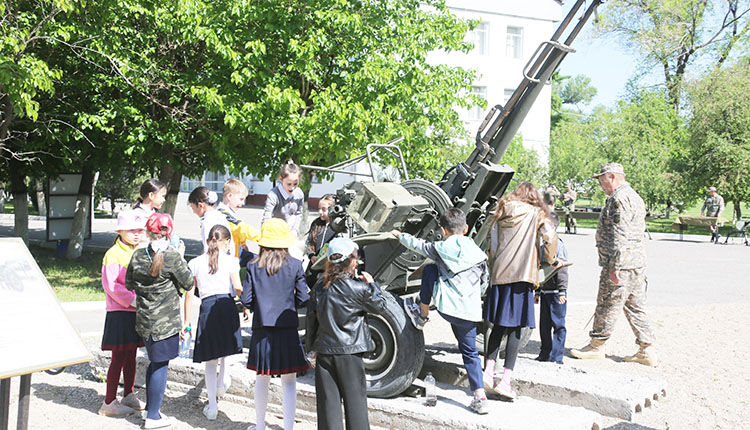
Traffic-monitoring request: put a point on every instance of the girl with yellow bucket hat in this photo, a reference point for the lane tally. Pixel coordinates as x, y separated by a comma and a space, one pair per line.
273, 289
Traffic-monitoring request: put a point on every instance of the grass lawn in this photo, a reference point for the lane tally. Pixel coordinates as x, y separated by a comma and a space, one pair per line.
664, 225
72, 281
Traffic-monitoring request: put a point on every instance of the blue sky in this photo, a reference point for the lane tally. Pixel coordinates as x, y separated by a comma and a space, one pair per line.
607, 63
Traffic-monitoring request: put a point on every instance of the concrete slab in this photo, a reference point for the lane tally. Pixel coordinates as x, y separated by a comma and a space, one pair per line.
608, 393
401, 412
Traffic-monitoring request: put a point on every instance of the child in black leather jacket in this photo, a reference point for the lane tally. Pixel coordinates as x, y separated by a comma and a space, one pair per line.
338, 336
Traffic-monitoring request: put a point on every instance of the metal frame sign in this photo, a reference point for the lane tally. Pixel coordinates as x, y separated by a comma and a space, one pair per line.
61, 207
36, 333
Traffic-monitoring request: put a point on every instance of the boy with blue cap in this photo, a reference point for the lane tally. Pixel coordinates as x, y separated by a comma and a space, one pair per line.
454, 284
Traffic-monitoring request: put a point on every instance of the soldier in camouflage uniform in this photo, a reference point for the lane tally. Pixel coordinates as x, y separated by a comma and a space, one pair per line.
622, 283
713, 206
569, 202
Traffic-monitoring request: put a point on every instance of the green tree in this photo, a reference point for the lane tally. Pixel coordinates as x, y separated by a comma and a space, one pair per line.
525, 162
569, 94
316, 81
719, 134
673, 35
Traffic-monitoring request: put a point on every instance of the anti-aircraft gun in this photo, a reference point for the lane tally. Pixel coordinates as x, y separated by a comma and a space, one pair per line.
367, 211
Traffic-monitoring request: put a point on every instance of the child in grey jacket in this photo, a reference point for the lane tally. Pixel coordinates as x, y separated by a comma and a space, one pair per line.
454, 284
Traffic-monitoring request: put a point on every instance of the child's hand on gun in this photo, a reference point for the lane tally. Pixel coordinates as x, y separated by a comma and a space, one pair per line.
396, 233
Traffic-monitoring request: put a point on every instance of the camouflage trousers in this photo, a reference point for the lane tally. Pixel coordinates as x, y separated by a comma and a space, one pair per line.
630, 297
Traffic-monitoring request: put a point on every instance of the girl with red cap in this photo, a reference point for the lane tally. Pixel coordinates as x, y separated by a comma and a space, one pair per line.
156, 273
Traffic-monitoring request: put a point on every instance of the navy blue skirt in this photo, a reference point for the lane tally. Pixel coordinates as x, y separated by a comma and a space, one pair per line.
119, 332
276, 351
218, 333
163, 350
510, 305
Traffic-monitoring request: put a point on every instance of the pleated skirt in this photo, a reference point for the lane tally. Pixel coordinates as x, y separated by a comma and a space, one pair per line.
276, 351
218, 333
510, 305
119, 332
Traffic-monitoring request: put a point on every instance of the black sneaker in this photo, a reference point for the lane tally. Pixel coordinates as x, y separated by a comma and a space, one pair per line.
414, 313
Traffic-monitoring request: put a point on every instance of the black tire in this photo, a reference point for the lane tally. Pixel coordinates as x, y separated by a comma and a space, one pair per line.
484, 333
399, 351
55, 371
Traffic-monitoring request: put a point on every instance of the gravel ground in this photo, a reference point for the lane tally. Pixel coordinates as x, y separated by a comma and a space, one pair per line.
72, 399
699, 351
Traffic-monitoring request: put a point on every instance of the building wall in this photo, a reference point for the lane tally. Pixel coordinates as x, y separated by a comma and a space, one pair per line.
500, 68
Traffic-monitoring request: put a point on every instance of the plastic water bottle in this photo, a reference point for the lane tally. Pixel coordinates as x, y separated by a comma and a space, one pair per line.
430, 392
185, 344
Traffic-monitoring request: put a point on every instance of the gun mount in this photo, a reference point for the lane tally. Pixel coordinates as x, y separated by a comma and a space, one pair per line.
366, 212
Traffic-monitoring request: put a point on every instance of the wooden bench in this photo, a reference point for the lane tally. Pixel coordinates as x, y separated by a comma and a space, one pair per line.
683, 221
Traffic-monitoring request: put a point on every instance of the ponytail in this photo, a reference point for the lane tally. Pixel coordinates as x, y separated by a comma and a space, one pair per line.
217, 233
213, 256
157, 263
159, 244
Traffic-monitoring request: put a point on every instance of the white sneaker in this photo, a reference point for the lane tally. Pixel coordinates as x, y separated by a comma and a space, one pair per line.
115, 409
210, 413
224, 385
164, 422
132, 402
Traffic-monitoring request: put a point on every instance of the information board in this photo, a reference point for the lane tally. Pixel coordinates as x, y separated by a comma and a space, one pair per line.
61, 207
35, 333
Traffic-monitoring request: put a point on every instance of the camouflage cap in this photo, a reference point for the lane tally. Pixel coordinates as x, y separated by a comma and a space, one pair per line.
610, 168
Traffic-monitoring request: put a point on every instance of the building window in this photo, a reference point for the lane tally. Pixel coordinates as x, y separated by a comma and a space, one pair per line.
477, 113
480, 38
514, 42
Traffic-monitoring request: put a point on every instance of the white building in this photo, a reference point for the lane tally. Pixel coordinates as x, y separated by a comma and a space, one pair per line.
508, 34
506, 37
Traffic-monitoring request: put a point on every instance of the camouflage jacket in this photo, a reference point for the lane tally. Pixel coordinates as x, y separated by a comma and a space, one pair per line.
569, 199
620, 233
157, 298
713, 206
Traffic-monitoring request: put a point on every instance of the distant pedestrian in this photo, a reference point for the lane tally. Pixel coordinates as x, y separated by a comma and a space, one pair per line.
157, 273
713, 206
218, 334
569, 203
119, 335
274, 288
553, 306
286, 200
454, 284
203, 202
338, 337
521, 221
233, 197
622, 281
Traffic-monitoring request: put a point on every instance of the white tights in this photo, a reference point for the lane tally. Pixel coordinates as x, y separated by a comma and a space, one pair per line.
289, 401
212, 382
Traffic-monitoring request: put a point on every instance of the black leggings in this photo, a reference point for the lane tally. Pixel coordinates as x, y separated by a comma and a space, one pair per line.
512, 345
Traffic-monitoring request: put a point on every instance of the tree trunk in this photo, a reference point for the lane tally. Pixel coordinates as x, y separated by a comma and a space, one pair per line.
737, 210
172, 178
669, 208
81, 216
20, 200
112, 202
41, 201
2, 198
